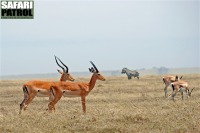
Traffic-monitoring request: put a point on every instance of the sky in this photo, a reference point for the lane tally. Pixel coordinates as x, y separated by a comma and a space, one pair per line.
113, 34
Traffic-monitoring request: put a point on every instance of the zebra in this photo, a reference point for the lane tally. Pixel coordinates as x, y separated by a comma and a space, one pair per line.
130, 73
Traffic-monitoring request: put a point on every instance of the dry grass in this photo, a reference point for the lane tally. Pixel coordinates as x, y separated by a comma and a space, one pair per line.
116, 105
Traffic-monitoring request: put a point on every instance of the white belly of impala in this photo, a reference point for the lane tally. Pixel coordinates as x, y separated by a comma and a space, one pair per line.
68, 93
43, 93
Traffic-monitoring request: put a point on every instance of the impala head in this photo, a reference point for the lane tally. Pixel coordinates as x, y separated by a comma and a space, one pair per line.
95, 72
190, 92
177, 78
64, 74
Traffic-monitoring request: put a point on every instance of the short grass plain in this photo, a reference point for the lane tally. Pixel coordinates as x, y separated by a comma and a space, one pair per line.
113, 106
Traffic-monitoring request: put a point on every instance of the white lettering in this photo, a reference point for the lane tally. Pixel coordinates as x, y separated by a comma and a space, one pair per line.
31, 5
10, 5
4, 5
20, 5
26, 5
16, 5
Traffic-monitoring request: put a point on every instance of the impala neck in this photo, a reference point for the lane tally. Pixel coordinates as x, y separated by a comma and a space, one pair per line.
92, 82
62, 78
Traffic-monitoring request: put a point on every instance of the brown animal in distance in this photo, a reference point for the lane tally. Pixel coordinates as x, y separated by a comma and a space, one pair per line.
167, 80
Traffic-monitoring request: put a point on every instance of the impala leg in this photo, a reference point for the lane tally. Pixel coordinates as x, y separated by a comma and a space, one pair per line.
83, 104
182, 95
187, 94
22, 103
165, 90
26, 96
57, 94
174, 94
52, 104
30, 98
50, 99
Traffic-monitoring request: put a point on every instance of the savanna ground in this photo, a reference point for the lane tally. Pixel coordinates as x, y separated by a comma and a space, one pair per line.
114, 105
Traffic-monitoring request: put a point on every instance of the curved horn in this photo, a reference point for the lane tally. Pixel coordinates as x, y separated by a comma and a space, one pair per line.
94, 66
59, 64
63, 64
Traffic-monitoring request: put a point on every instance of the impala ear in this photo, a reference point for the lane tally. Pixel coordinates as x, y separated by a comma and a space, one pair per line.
181, 77
176, 79
59, 71
91, 70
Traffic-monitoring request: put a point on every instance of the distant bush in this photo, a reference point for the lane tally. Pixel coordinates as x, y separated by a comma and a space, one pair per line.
163, 70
